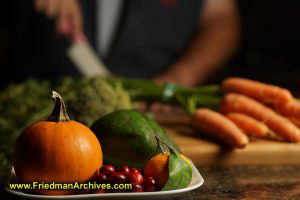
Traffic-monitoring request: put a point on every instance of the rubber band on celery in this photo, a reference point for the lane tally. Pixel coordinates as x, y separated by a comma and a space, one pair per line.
168, 91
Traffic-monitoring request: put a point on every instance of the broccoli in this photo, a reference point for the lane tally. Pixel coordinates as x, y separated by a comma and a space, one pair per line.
94, 98
18, 105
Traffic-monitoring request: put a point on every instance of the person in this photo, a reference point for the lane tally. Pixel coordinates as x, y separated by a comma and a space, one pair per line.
165, 40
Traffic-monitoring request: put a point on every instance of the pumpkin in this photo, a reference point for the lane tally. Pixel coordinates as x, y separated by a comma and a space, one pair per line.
57, 150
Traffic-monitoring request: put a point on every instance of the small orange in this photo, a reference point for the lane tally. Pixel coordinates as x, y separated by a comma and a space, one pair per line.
157, 167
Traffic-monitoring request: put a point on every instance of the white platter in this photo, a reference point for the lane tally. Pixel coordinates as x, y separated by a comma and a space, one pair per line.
197, 181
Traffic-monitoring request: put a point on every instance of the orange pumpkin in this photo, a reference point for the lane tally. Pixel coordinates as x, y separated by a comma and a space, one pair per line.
57, 150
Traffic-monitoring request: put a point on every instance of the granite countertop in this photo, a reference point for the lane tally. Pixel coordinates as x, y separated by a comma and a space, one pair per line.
240, 182
248, 182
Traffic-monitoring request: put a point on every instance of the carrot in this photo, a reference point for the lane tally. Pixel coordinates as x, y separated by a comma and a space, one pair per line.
219, 126
277, 123
295, 121
265, 93
291, 108
250, 126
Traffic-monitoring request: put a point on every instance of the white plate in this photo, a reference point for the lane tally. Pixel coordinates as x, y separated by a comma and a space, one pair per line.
196, 182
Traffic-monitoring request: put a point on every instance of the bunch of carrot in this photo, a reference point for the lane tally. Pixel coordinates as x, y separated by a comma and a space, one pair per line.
251, 108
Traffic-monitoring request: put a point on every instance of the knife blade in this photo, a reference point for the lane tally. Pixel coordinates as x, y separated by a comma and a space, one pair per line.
86, 59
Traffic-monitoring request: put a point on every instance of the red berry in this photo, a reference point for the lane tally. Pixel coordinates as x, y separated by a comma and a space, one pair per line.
118, 177
133, 169
100, 178
100, 191
136, 178
149, 184
108, 170
124, 169
137, 188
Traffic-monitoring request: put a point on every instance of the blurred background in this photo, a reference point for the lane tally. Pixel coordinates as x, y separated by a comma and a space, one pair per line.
268, 50
270, 42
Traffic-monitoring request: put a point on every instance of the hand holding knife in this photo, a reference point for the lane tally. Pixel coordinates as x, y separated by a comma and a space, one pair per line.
69, 23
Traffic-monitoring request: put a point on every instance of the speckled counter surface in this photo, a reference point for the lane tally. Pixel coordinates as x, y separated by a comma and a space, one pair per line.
248, 182
240, 182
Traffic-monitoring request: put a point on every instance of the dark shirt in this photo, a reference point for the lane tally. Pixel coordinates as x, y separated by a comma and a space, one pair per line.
150, 37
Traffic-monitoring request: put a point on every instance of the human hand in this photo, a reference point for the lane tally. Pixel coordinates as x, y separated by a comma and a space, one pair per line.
67, 15
182, 75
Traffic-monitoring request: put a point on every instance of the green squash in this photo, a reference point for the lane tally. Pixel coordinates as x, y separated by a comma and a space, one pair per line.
127, 137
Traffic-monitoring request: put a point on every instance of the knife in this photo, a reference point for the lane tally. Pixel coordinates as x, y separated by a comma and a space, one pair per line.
86, 59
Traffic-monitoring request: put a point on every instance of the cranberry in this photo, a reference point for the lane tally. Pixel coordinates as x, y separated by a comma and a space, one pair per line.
124, 169
108, 170
118, 177
133, 170
136, 178
100, 178
137, 188
149, 184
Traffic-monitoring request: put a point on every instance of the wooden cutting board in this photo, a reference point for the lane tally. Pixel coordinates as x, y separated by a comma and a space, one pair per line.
205, 151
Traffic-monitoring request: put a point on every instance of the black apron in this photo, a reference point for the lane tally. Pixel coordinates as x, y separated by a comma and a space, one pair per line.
151, 35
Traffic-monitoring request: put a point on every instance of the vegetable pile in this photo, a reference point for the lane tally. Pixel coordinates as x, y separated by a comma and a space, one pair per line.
254, 109
87, 100
66, 151
232, 112
239, 109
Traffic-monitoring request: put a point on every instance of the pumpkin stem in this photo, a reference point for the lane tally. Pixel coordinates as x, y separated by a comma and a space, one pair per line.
59, 113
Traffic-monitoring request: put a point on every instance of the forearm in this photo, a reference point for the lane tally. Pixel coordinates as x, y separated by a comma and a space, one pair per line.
214, 43
210, 49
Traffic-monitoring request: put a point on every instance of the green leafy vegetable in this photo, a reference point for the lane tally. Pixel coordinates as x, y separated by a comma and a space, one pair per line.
180, 172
